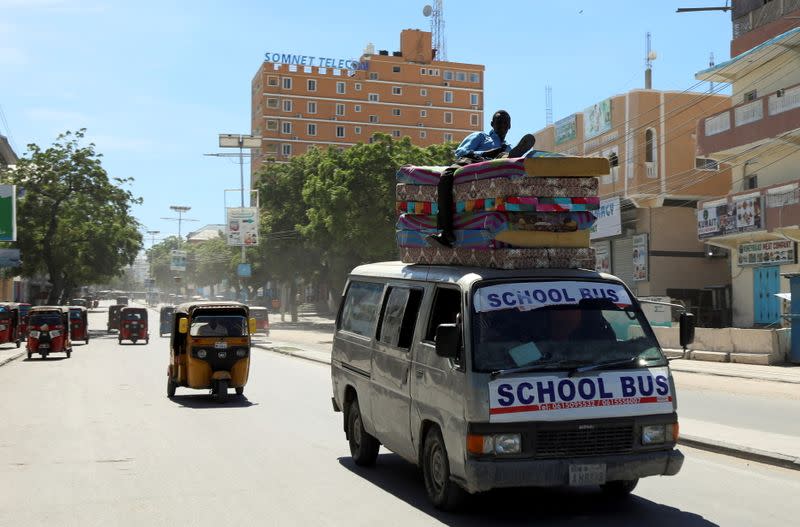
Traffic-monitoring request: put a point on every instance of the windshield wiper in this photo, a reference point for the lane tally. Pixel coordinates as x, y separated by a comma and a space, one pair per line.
629, 362
531, 366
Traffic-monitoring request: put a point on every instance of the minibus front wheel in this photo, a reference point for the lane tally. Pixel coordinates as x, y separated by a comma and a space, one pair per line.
620, 488
444, 493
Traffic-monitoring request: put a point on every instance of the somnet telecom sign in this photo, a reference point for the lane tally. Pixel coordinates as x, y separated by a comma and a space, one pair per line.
8, 213
313, 60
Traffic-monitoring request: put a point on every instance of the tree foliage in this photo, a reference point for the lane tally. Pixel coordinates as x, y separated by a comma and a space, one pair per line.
74, 222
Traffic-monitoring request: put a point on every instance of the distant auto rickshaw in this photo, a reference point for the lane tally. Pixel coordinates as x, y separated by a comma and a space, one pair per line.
133, 325
48, 331
9, 324
210, 348
78, 323
261, 314
165, 320
114, 311
79, 302
122, 300
24, 308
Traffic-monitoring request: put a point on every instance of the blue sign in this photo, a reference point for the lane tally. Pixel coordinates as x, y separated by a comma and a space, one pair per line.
244, 270
312, 60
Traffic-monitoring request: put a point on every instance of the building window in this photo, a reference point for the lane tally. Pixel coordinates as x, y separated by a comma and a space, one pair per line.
473, 99
423, 113
311, 106
357, 108
340, 109
461, 76
373, 76
286, 149
474, 77
339, 87
423, 134
287, 105
272, 81
287, 83
395, 133
272, 125
448, 75
752, 181
358, 86
448, 96
448, 138
703, 163
650, 145
397, 90
448, 117
340, 131
312, 85
395, 69
396, 112
750, 96
358, 130
312, 129
473, 119
286, 127
373, 118
271, 148
423, 92
422, 71
373, 97
272, 102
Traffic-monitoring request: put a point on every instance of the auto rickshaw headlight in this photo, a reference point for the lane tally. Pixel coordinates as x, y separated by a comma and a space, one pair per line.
34, 333
55, 333
201, 354
241, 352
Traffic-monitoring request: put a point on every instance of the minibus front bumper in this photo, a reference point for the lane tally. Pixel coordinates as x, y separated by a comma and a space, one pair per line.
486, 474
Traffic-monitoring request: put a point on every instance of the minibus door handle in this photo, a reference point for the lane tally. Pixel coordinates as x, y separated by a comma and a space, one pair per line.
419, 373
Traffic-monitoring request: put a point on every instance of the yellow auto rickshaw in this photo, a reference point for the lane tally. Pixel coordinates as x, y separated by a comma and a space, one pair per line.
210, 347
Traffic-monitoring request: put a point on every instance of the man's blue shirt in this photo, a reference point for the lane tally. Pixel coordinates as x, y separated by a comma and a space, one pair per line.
479, 142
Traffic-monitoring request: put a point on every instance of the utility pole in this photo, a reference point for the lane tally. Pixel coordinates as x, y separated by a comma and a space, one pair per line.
180, 209
151, 278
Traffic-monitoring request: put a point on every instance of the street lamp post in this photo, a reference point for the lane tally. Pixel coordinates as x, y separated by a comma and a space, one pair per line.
150, 270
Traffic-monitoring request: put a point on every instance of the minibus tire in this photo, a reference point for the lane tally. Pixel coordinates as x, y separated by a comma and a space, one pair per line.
620, 488
363, 446
444, 493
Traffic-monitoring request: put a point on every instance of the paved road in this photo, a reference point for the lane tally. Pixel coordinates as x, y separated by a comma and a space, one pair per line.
93, 440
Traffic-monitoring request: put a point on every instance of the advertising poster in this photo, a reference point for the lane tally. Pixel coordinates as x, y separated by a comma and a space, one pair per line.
242, 226
566, 129
708, 221
9, 258
774, 252
178, 261
747, 214
609, 219
8, 213
597, 119
640, 258
602, 254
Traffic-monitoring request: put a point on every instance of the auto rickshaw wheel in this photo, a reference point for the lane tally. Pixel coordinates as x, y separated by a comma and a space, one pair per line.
171, 386
240, 390
30, 355
18, 343
119, 340
69, 353
147, 341
222, 390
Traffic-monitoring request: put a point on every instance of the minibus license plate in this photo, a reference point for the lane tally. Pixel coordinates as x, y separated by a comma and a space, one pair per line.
587, 474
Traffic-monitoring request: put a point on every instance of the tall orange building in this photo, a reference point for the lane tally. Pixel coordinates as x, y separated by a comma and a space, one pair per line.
300, 101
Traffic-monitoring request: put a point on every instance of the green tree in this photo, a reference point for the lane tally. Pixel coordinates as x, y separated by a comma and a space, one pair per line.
74, 222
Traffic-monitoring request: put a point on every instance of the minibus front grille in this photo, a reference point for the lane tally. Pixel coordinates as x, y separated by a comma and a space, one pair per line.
580, 441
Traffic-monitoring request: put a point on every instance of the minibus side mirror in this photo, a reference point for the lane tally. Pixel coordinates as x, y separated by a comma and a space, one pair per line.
447, 340
686, 329
251, 325
183, 326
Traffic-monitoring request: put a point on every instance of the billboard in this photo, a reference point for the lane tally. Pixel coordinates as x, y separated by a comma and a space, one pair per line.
241, 228
566, 129
178, 261
777, 252
597, 119
741, 214
9, 258
640, 258
609, 220
8, 213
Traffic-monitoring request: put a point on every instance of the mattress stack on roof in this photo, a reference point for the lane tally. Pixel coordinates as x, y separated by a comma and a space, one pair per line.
531, 212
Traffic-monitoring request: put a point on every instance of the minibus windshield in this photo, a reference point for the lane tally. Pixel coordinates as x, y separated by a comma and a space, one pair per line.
559, 325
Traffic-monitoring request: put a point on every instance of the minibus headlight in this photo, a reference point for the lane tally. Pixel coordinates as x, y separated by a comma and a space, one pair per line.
201, 354
34, 333
507, 444
654, 434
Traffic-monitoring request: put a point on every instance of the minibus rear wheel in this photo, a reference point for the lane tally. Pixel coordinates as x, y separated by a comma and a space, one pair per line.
363, 447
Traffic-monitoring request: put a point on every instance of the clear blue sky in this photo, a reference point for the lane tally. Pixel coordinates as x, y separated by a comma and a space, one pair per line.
155, 82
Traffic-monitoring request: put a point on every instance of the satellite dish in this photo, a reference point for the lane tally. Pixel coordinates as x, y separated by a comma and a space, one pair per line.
652, 55
427, 10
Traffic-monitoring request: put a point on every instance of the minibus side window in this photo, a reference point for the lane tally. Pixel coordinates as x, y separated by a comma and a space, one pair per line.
446, 308
399, 317
361, 307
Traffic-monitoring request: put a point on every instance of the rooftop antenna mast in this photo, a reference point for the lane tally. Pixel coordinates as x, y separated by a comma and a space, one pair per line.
649, 57
548, 105
436, 14
711, 65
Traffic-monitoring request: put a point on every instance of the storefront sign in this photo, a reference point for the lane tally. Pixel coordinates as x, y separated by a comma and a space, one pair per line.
242, 226
708, 220
8, 213
740, 215
566, 129
767, 253
747, 213
597, 119
640, 258
312, 60
609, 219
602, 254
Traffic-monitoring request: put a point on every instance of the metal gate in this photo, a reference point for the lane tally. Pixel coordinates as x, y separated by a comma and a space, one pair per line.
766, 282
622, 259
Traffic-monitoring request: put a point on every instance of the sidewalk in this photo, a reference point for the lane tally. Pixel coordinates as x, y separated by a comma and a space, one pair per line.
764, 447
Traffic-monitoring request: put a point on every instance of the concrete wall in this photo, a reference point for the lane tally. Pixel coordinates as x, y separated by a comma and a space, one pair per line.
764, 346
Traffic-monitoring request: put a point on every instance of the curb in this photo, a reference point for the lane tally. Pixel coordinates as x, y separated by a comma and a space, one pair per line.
737, 376
13, 357
291, 352
752, 454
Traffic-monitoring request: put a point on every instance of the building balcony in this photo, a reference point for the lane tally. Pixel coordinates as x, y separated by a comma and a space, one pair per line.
774, 116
